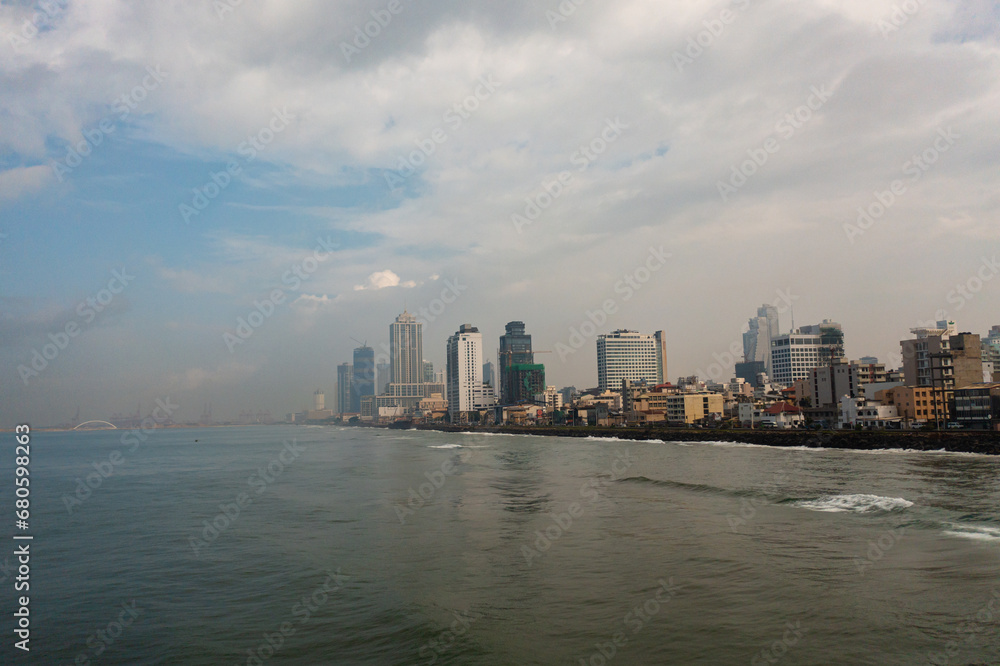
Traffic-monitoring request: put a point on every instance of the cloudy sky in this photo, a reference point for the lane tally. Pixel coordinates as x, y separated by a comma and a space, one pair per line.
180, 164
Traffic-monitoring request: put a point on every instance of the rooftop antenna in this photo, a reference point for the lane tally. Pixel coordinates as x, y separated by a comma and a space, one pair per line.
793, 319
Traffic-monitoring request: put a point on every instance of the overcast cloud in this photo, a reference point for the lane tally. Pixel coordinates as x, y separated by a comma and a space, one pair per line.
525, 158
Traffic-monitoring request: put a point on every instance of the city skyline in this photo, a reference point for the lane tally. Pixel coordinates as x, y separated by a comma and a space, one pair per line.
208, 233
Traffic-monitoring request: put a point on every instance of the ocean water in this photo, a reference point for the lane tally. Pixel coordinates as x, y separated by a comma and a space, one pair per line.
300, 545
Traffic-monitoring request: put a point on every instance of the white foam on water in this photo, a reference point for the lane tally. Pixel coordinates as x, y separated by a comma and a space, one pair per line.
446, 446
855, 503
977, 532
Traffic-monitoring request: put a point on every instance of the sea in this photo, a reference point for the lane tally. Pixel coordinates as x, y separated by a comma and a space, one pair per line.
329, 545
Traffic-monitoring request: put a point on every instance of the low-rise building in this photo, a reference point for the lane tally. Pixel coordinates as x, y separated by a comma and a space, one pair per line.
692, 407
977, 406
783, 415
858, 412
915, 405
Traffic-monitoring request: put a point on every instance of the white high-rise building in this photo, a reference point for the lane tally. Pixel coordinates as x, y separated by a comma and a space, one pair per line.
465, 370
793, 356
630, 355
406, 367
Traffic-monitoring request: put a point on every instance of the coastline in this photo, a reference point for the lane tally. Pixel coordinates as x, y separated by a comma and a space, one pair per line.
979, 442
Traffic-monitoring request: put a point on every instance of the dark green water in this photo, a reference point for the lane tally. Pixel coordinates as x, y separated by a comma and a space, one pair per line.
527, 550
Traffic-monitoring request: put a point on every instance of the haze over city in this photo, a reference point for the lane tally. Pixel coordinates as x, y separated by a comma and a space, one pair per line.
166, 169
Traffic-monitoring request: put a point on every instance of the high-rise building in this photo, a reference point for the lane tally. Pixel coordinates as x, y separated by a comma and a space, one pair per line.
942, 357
827, 384
363, 379
991, 353
345, 373
515, 349
406, 386
630, 355
795, 354
757, 340
831, 340
526, 380
490, 374
383, 375
465, 371
428, 372
319, 401
943, 360
406, 345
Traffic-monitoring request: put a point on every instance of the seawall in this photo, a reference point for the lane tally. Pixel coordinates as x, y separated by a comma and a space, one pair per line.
982, 442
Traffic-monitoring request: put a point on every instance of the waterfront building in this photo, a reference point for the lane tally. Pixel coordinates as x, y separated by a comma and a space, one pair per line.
345, 373
630, 355
363, 376
795, 354
515, 349
465, 372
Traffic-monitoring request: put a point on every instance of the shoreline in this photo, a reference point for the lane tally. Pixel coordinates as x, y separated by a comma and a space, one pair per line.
979, 442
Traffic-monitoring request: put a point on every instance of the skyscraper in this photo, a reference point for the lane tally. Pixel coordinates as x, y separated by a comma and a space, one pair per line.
465, 371
757, 340
515, 349
428, 372
363, 379
345, 372
383, 375
406, 346
630, 355
795, 354
490, 373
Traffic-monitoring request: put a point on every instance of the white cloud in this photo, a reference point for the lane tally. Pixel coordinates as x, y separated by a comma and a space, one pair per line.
384, 280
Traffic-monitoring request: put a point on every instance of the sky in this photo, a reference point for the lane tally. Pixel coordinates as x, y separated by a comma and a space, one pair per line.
313, 168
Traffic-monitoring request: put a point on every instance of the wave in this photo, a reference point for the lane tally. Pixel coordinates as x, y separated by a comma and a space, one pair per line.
855, 503
978, 532
446, 446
